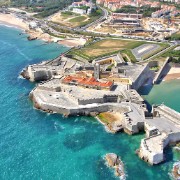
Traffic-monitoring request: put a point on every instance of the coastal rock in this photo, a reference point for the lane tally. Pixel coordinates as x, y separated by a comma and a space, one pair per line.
115, 162
111, 159
31, 38
25, 74
176, 171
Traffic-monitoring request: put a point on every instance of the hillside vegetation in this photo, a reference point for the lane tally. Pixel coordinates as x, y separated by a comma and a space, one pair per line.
44, 8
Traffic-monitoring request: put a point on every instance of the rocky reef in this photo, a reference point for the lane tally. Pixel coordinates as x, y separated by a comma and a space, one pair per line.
115, 162
176, 171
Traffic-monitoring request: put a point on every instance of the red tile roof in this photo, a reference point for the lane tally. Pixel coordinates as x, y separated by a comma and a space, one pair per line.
87, 81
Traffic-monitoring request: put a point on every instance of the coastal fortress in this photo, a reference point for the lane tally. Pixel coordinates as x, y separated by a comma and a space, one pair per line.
76, 88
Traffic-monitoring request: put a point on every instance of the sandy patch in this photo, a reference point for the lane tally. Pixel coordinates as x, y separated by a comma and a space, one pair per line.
11, 20
73, 42
174, 73
113, 43
97, 52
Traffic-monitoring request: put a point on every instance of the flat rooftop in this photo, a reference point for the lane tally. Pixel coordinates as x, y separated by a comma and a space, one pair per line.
154, 144
163, 124
133, 71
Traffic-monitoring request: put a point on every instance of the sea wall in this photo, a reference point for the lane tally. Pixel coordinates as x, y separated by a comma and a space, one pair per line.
157, 156
147, 154
39, 75
79, 110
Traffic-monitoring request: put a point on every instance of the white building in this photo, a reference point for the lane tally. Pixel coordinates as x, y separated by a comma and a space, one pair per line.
79, 11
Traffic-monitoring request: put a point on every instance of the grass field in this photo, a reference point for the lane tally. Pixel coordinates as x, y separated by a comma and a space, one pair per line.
77, 19
108, 47
72, 19
112, 46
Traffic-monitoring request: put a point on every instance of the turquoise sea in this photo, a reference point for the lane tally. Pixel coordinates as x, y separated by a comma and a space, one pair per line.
35, 145
167, 92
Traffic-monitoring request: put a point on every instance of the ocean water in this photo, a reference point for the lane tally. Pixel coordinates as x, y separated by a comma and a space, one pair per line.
167, 92
35, 145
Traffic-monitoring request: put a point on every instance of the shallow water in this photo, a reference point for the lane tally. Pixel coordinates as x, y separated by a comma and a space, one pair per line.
167, 92
36, 145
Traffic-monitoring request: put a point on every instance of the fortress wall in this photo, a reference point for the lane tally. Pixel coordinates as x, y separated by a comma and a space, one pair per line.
87, 111
53, 89
157, 157
132, 129
172, 138
41, 75
79, 110
143, 77
90, 101
147, 155
110, 98
161, 71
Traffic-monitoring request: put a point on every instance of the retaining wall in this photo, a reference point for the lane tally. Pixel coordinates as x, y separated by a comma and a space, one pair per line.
161, 71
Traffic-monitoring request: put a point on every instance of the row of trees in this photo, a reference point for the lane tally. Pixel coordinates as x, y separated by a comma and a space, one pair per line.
145, 10
48, 7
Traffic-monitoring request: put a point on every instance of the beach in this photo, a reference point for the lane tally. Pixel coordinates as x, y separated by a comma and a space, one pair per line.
12, 20
174, 73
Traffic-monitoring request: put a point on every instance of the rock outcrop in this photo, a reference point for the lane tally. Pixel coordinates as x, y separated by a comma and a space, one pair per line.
115, 162
176, 171
31, 38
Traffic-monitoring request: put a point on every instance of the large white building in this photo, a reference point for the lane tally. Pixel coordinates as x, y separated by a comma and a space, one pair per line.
79, 11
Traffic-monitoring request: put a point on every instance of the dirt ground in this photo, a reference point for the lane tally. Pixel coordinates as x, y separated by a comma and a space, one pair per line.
68, 20
97, 52
111, 117
112, 43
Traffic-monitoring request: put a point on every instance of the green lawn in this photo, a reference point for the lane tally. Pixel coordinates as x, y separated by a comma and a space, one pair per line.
112, 46
77, 19
107, 47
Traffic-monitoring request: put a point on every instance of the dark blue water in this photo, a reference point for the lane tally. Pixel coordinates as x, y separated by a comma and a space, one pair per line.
35, 145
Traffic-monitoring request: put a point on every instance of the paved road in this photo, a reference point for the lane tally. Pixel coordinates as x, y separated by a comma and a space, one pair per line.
159, 53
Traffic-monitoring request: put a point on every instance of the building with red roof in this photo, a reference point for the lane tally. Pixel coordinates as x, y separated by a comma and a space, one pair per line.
87, 82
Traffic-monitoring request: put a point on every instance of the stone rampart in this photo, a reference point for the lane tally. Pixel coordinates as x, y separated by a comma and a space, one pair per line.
147, 154
78, 110
161, 71
171, 114
142, 78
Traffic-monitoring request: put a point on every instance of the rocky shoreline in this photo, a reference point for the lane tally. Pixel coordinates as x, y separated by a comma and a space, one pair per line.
115, 162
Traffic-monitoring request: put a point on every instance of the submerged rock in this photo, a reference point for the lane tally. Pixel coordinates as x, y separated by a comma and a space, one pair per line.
115, 162
176, 171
